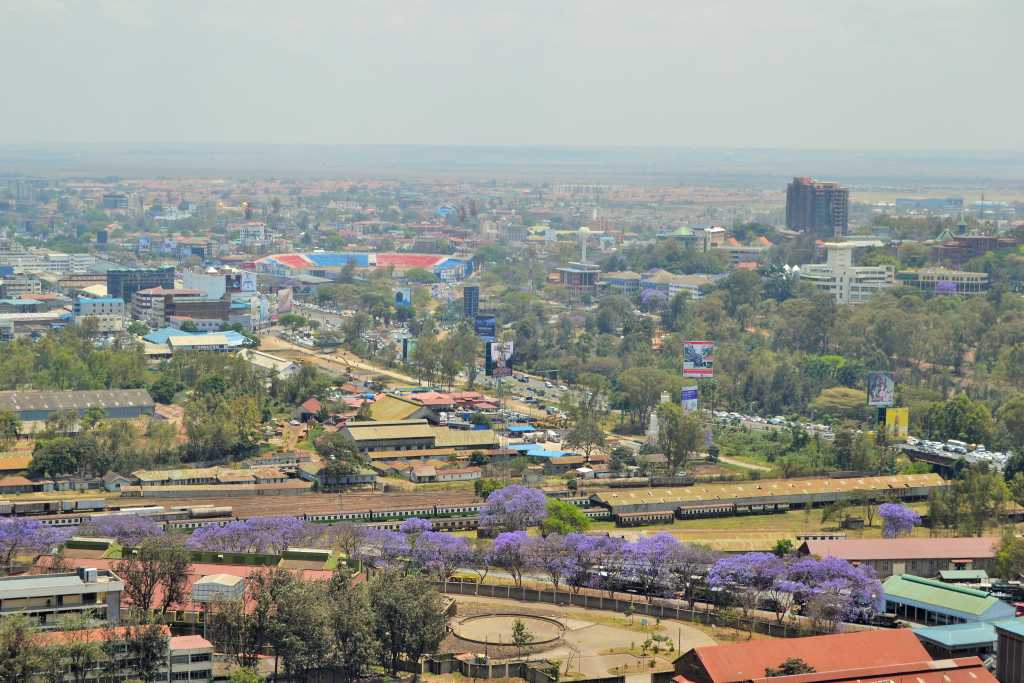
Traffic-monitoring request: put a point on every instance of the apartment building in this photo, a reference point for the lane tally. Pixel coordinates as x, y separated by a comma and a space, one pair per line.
189, 658
107, 312
47, 598
944, 281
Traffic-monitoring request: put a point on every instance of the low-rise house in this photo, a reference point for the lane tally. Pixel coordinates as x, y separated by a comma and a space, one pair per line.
112, 481
458, 474
15, 484
919, 556
275, 365
314, 472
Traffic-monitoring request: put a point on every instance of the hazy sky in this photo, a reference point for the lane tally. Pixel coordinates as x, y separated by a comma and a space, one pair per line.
857, 74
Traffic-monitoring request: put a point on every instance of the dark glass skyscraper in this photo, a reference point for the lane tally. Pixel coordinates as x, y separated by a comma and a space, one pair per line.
470, 301
817, 207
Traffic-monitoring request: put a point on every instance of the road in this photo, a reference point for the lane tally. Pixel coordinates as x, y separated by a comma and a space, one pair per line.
745, 465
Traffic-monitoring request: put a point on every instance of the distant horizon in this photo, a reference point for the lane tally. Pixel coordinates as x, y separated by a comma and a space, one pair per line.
644, 164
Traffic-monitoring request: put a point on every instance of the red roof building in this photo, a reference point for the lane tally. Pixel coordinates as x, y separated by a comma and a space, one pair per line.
919, 556
841, 652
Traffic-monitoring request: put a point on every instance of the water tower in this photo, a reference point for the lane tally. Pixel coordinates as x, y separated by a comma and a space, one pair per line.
584, 233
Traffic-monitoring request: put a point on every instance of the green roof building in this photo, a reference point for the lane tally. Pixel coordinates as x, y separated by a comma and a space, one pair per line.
930, 603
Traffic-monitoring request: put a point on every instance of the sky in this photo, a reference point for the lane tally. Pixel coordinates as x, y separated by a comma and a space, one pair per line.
775, 74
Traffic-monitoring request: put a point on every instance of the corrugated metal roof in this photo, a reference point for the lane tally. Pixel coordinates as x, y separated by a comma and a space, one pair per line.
17, 401
865, 549
944, 596
958, 635
745, 661
765, 488
451, 438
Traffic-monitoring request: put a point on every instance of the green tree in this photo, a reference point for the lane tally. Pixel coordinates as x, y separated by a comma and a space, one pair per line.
789, 667
244, 675
21, 656
158, 566
586, 435
351, 626
563, 518
410, 619
521, 636
484, 487
10, 427
679, 435
1009, 418
959, 418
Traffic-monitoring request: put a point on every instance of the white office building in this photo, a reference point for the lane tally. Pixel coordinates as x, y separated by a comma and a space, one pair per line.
845, 282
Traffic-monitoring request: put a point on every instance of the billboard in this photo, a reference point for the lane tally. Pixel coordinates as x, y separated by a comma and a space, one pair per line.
486, 327
688, 399
403, 297
242, 281
284, 300
897, 423
881, 389
698, 359
499, 359
408, 348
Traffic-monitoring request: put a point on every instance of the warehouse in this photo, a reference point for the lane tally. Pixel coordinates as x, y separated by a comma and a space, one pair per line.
416, 435
767, 493
38, 406
920, 556
931, 603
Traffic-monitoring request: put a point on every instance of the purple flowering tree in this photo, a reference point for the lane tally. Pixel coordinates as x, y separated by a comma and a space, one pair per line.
897, 520
553, 556
690, 563
128, 530
513, 508
510, 552
747, 576
614, 560
22, 536
256, 535
383, 548
854, 590
586, 555
650, 563
415, 525
440, 553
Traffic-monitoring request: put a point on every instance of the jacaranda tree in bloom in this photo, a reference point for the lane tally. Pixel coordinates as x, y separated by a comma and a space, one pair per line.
510, 551
22, 536
128, 530
256, 535
897, 520
513, 508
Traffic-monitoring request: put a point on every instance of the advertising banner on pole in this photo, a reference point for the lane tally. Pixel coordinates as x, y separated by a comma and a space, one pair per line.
688, 399
881, 389
486, 327
699, 359
403, 297
499, 359
897, 423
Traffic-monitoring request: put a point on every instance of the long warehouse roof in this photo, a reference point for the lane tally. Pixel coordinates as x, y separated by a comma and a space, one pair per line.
17, 401
764, 488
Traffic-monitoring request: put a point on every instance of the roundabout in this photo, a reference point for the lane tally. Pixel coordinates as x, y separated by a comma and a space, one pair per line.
496, 629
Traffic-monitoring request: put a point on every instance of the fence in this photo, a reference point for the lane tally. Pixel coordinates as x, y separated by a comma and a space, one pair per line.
658, 608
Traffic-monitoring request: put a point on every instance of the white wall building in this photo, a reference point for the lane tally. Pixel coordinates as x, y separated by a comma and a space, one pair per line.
845, 282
